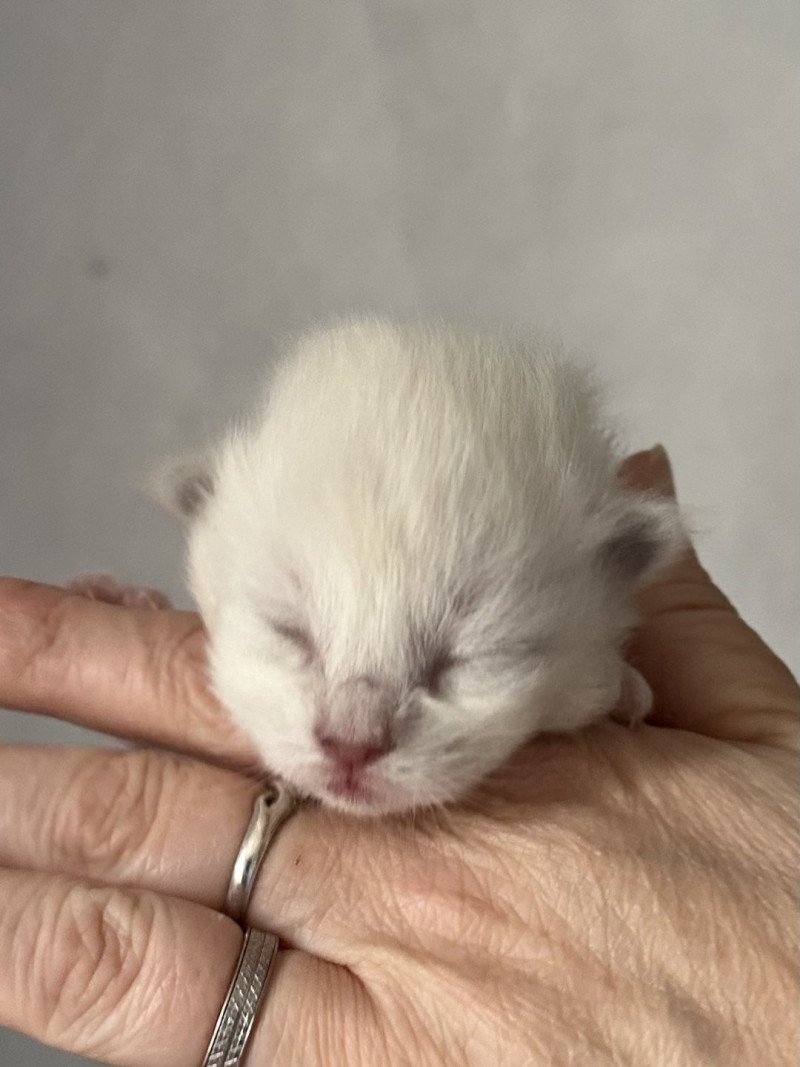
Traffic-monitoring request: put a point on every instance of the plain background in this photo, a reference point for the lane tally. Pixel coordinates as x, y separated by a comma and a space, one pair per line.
184, 183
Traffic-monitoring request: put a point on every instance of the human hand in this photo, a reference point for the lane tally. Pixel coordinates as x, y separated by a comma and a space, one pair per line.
613, 896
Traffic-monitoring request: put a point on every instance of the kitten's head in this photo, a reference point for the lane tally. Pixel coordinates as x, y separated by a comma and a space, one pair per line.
386, 661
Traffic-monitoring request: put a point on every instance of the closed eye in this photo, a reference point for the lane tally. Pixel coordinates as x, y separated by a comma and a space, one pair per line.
294, 634
434, 677
518, 656
520, 652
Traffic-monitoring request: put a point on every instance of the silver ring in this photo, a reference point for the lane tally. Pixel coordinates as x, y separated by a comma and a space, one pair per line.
270, 810
240, 1008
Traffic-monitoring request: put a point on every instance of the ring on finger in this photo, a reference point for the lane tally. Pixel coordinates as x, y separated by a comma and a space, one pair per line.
245, 993
271, 809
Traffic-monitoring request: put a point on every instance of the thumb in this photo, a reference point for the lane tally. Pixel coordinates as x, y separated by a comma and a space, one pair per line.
710, 673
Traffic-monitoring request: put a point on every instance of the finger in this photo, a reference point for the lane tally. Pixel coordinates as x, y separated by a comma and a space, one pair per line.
134, 673
136, 979
709, 671
151, 821
145, 819
120, 977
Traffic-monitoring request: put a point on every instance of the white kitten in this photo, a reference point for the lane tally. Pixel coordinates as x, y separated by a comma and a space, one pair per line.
415, 557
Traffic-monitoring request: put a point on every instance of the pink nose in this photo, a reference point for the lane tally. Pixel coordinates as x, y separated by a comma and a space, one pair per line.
353, 755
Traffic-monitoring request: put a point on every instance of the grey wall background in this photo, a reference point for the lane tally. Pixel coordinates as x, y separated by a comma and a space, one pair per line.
184, 182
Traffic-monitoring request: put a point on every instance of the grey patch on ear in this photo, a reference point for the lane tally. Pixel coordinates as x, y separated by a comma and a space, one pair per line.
184, 484
644, 539
633, 550
192, 493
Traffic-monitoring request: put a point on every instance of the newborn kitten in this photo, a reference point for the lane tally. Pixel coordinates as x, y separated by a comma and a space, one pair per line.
415, 557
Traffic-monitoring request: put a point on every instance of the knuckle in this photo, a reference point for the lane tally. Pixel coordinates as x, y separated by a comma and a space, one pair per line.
31, 631
89, 962
108, 815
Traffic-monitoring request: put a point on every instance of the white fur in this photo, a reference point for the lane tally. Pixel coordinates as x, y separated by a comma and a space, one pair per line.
405, 493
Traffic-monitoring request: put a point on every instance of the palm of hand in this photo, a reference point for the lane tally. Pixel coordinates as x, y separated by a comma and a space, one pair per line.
566, 915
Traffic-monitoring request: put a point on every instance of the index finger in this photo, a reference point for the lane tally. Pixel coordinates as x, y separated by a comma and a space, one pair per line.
136, 674
710, 672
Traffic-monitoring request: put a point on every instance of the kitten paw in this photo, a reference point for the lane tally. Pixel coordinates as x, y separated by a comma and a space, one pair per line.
104, 588
636, 698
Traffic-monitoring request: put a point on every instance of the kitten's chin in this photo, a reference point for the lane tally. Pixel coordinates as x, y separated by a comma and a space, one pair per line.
370, 799
368, 806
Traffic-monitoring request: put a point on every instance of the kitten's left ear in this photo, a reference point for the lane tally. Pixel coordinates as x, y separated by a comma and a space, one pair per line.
642, 535
184, 484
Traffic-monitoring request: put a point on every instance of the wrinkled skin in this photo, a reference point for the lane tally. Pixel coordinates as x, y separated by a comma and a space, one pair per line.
620, 896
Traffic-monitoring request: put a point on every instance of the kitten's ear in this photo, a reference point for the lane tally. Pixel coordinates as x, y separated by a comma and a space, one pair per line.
642, 536
183, 484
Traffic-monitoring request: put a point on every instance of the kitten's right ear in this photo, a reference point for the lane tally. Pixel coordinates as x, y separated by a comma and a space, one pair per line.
184, 484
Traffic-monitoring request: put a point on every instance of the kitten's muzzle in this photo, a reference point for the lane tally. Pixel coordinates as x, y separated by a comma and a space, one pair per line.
353, 756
